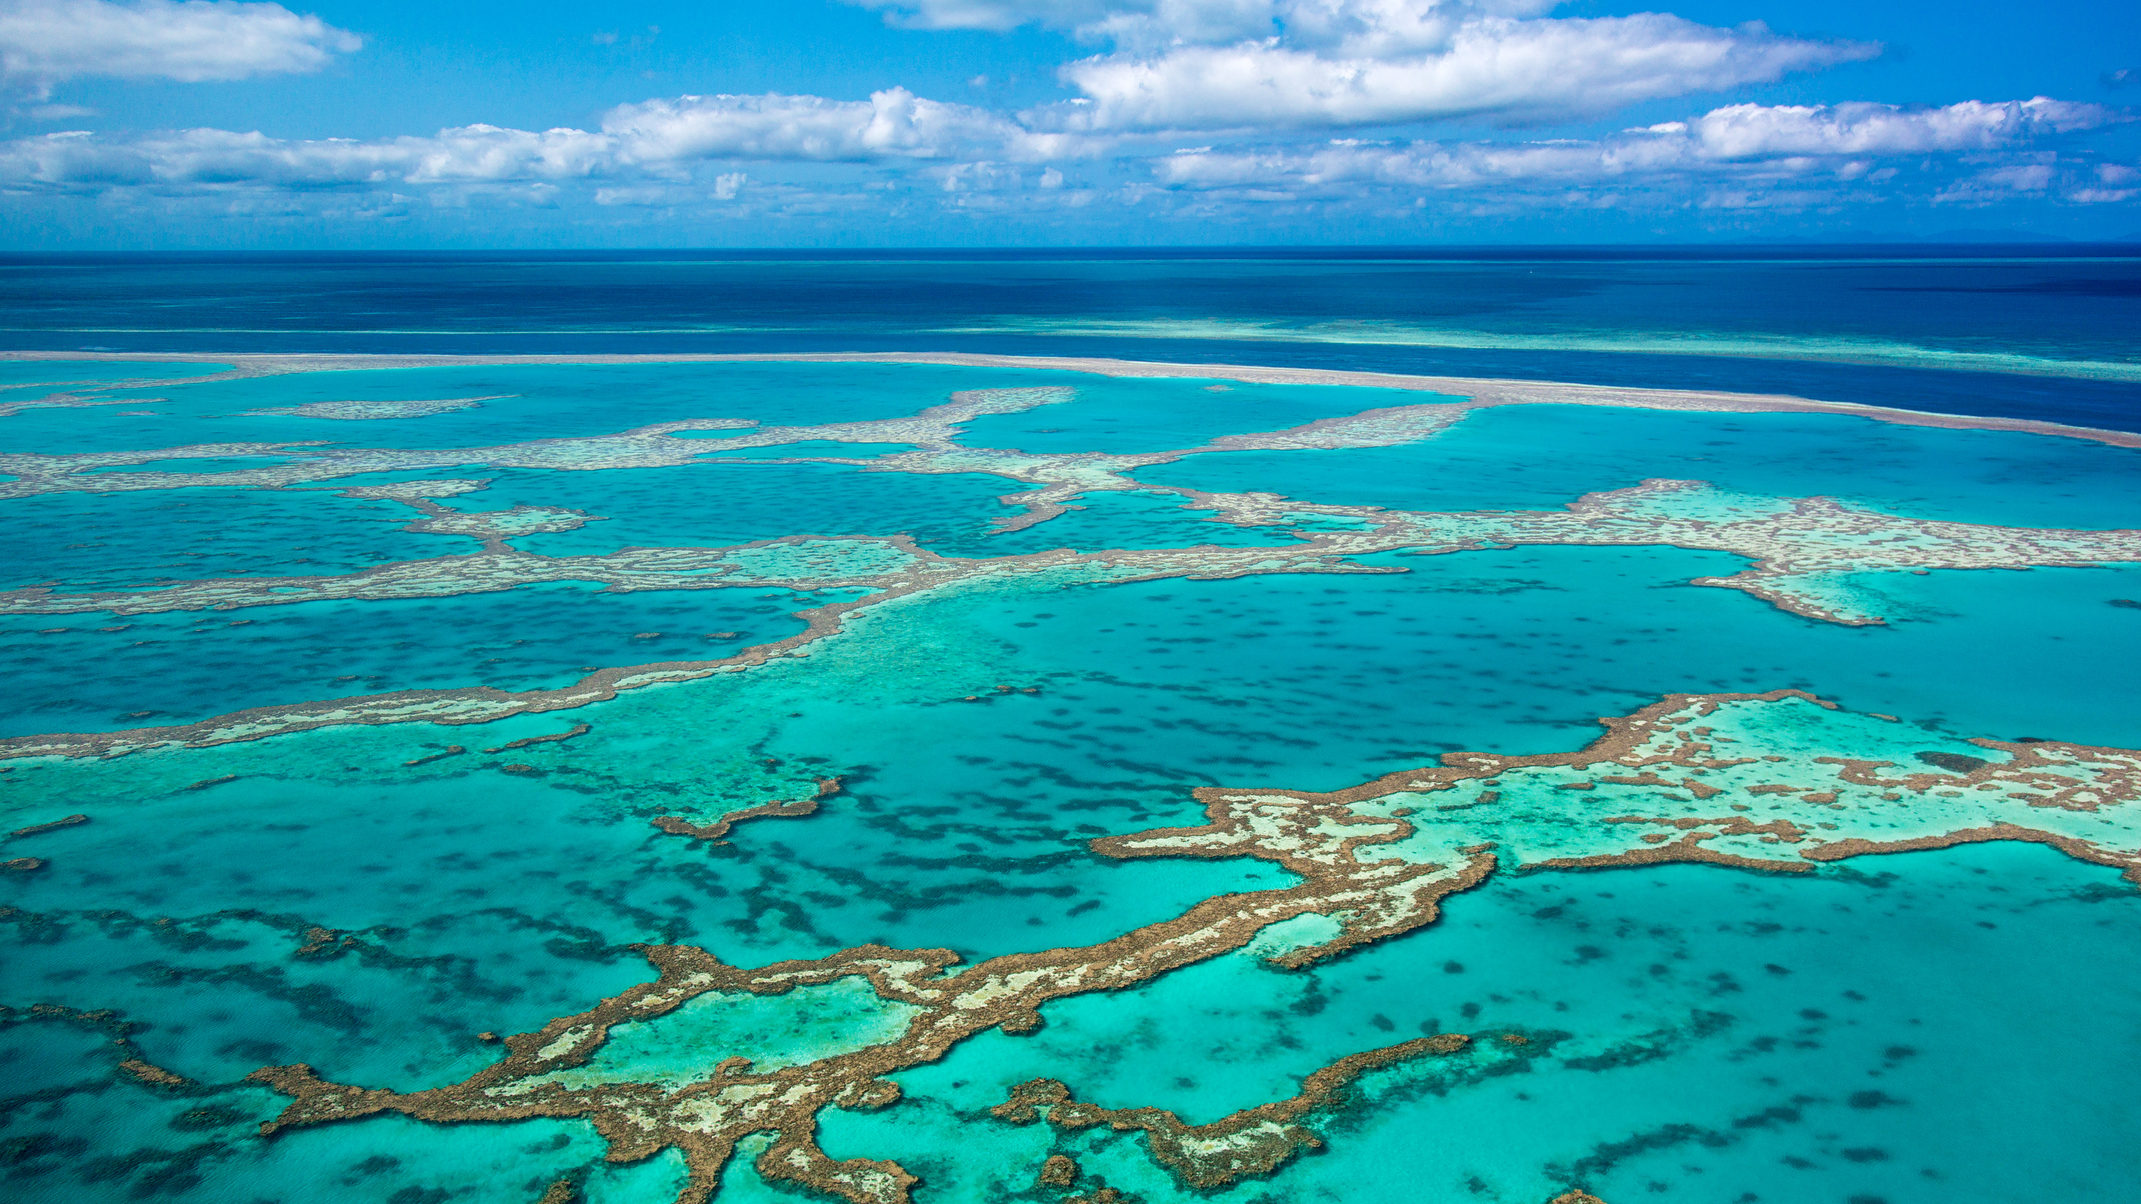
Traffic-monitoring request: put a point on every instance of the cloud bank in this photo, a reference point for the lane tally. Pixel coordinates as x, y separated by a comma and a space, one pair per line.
655, 139
1743, 145
1370, 108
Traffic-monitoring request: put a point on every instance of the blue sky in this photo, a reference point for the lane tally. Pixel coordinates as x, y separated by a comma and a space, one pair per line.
197, 124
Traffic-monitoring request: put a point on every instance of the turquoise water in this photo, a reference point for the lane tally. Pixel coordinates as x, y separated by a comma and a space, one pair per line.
720, 504
1522, 457
369, 897
68, 372
87, 540
177, 667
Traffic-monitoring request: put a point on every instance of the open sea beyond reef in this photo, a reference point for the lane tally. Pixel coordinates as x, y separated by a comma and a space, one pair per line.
1117, 726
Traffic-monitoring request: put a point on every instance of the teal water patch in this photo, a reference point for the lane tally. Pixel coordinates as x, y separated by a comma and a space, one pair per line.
371, 929
677, 1048
131, 422
96, 672
716, 504
1544, 457
1128, 414
70, 372
1318, 682
201, 1148
89, 541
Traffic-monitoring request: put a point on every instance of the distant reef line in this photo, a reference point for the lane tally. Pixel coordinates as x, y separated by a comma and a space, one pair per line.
1480, 392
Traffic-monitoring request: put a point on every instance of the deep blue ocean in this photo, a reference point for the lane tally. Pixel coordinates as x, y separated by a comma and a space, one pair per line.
2057, 324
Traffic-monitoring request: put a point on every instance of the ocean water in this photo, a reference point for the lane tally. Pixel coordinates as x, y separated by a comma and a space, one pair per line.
374, 779
1756, 319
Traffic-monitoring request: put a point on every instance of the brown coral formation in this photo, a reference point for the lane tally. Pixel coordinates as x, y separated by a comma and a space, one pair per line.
677, 825
1341, 846
1248, 1143
152, 1074
1060, 1170
576, 730
2046, 777
1367, 900
130, 1059
318, 940
52, 826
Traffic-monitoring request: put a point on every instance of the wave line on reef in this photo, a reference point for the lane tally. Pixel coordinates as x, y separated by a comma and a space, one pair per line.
1481, 391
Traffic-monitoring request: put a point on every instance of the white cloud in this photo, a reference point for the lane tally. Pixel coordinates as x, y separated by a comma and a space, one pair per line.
1232, 64
1761, 146
46, 42
688, 151
894, 123
1467, 64
724, 187
656, 139
1747, 131
2003, 182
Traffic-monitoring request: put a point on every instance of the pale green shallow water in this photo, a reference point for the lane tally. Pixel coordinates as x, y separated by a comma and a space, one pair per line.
1948, 1026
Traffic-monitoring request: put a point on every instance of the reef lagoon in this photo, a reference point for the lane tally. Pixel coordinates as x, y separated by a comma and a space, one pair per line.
1467, 746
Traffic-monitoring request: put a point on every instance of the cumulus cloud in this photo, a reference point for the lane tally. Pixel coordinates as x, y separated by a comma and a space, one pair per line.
1228, 64
658, 138
1745, 143
1748, 131
893, 123
46, 42
1460, 63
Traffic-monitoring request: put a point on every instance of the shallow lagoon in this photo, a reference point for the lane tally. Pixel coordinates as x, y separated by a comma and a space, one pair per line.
1699, 1033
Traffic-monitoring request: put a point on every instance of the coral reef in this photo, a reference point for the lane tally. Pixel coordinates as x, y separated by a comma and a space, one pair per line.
1374, 861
